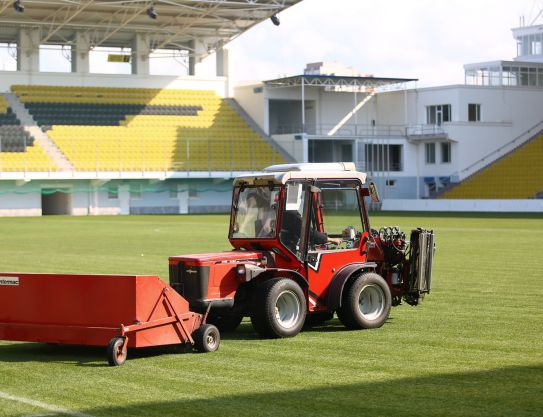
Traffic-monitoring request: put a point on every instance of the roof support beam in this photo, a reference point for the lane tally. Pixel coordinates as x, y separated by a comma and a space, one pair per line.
64, 18
4, 6
127, 16
186, 27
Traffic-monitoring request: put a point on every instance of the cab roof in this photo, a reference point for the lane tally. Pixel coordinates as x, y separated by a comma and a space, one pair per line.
280, 174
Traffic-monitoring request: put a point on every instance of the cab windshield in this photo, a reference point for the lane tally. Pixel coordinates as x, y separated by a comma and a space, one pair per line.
255, 213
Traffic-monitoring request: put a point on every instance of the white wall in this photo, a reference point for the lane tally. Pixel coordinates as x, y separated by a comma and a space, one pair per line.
253, 103
498, 206
18, 204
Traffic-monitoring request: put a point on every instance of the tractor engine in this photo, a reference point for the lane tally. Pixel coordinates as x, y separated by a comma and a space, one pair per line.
407, 263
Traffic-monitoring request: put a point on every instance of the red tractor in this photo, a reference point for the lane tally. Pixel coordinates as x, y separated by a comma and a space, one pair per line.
304, 250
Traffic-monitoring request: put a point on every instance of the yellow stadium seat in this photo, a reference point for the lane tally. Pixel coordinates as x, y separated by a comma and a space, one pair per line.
517, 175
215, 138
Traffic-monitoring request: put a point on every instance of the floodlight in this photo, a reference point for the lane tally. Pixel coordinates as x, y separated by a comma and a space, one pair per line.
275, 20
18, 6
151, 12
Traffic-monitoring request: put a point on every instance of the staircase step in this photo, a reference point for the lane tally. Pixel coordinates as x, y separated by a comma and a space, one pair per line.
30, 125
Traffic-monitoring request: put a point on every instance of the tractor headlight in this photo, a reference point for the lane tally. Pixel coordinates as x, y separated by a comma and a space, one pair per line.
241, 271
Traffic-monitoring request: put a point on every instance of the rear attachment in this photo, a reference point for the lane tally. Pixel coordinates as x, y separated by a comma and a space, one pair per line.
421, 255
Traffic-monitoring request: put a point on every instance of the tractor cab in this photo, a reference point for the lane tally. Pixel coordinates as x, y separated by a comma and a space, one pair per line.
300, 210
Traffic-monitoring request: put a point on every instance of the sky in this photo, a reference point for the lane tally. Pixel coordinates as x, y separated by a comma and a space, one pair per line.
426, 39
429, 40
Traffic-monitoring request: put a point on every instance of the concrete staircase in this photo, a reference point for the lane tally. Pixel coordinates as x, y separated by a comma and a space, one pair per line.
30, 125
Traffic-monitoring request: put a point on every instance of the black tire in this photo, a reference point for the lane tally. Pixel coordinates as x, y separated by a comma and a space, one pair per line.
278, 308
115, 354
207, 338
365, 303
225, 322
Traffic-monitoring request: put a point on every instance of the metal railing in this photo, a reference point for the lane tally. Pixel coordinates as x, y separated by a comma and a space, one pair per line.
344, 130
188, 155
503, 150
425, 130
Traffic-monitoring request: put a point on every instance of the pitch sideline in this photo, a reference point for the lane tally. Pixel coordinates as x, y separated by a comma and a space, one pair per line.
42, 405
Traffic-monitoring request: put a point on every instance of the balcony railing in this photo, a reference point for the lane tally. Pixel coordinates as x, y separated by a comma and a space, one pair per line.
360, 130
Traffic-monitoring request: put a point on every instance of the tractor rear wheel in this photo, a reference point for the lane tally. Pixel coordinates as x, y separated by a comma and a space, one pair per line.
206, 338
365, 303
279, 308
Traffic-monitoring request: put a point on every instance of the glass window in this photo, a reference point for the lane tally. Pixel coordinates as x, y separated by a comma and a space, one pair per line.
436, 115
340, 210
494, 76
255, 213
446, 112
291, 219
446, 152
474, 112
540, 77
383, 157
526, 45
431, 115
532, 76
335, 214
430, 151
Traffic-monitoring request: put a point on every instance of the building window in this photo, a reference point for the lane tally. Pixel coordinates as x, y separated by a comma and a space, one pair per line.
446, 152
436, 115
474, 112
113, 193
390, 183
430, 149
383, 157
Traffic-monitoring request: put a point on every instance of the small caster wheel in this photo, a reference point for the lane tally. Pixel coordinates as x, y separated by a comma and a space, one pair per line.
207, 338
116, 354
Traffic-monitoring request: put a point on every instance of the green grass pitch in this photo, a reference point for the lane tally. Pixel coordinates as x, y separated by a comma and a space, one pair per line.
473, 348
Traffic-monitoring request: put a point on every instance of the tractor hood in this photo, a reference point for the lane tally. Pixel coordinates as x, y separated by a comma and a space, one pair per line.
217, 258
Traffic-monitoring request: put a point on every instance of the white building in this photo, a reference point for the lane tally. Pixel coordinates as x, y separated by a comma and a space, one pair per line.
412, 141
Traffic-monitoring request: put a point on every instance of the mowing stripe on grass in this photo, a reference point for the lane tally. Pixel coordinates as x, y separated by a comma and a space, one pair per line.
39, 404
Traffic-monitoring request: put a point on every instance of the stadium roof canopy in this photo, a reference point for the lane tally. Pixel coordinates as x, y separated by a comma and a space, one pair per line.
114, 23
335, 81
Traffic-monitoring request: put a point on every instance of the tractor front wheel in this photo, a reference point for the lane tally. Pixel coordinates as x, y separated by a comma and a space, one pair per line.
365, 303
279, 308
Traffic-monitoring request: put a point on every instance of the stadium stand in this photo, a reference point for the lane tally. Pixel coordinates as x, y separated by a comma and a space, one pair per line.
518, 175
18, 150
138, 129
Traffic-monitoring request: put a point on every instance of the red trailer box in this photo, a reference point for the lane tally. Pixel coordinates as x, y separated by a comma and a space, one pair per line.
122, 310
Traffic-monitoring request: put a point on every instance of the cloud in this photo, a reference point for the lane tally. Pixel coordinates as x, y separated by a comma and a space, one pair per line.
425, 39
